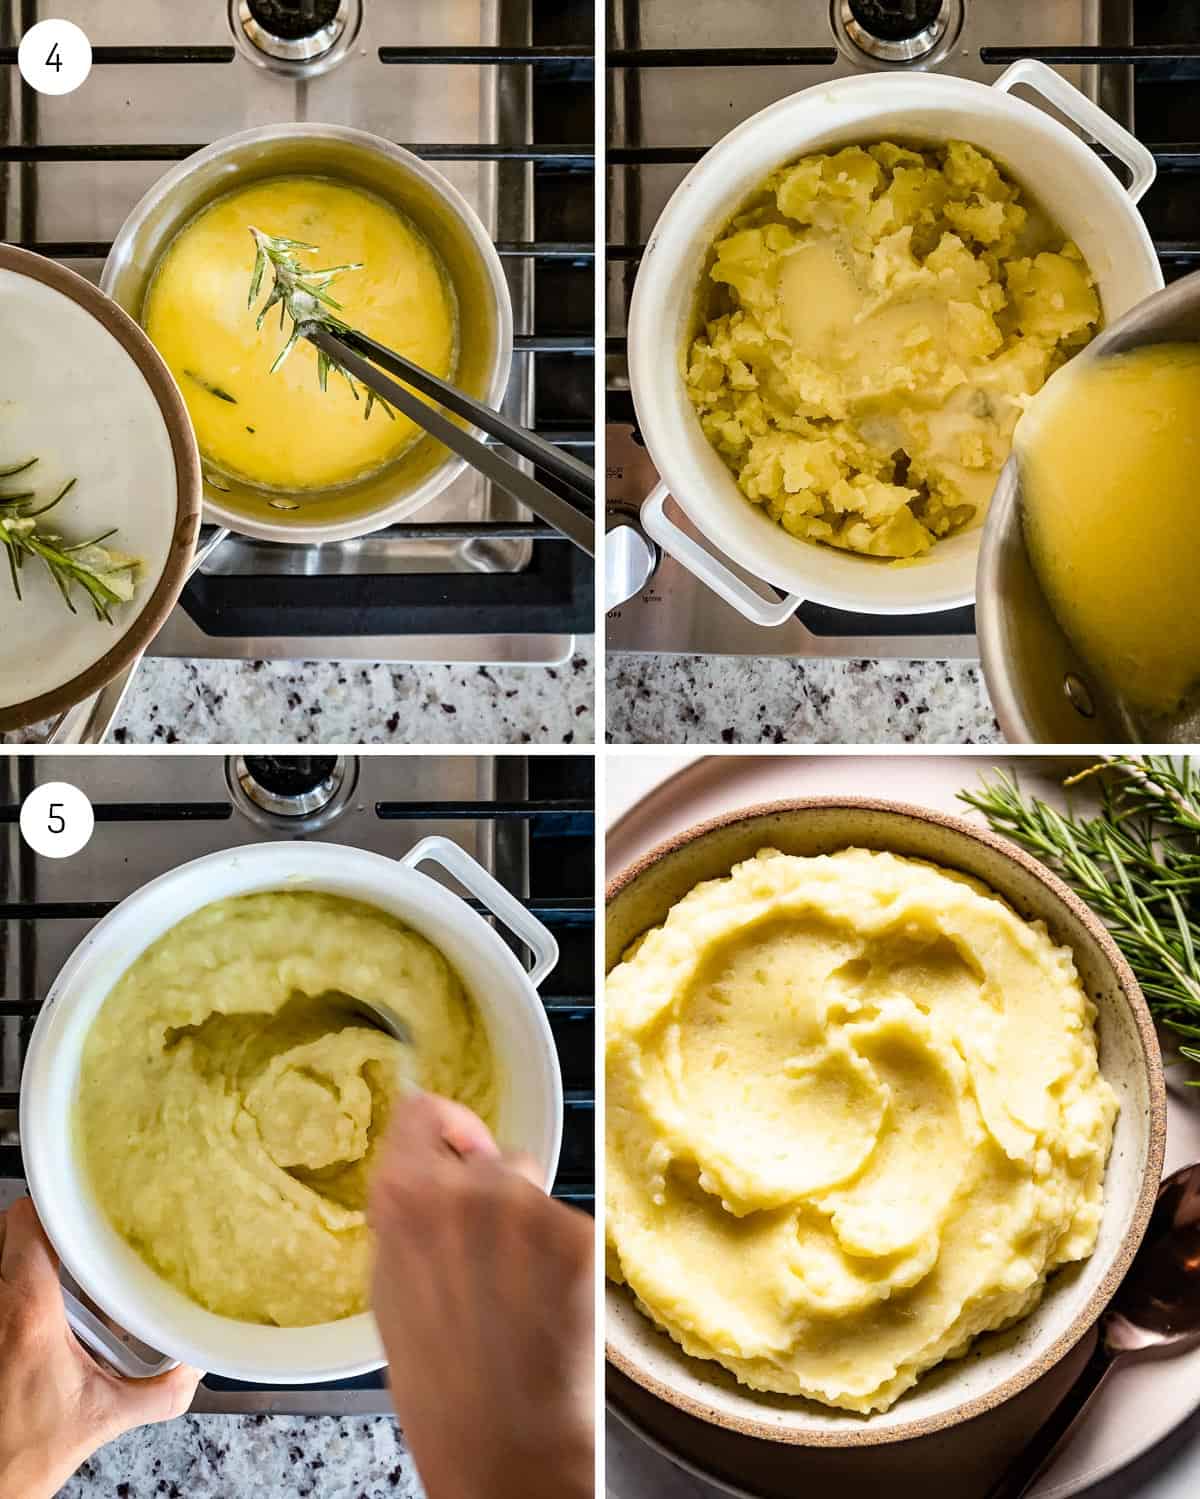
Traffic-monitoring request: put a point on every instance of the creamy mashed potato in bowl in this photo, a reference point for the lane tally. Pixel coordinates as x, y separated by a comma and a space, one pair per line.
240, 1246
1047, 162
810, 1009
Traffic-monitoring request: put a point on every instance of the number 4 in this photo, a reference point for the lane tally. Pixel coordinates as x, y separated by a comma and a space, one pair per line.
57, 822
54, 61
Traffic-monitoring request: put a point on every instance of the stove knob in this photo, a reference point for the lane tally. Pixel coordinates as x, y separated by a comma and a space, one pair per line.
629, 562
292, 20
290, 776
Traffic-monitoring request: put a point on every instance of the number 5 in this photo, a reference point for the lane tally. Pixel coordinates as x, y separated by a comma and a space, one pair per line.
57, 822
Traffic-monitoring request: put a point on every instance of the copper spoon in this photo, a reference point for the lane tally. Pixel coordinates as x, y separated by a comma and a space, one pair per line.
1155, 1312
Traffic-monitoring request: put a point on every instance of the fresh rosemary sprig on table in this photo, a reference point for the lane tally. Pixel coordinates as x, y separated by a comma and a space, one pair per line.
107, 577
1136, 863
303, 296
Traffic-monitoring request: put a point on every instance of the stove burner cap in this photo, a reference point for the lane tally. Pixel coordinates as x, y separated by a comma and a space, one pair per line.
296, 793
298, 38
294, 20
895, 33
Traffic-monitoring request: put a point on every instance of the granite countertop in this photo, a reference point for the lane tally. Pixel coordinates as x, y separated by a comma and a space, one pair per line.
252, 1457
772, 700
321, 702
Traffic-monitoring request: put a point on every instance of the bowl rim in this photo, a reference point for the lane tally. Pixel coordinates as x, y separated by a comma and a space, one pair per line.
1086, 1318
175, 182
188, 489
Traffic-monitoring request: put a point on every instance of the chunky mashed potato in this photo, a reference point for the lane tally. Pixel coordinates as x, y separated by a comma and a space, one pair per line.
882, 315
854, 1118
230, 1102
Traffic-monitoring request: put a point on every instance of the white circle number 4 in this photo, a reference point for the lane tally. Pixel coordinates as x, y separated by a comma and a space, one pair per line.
54, 57
57, 820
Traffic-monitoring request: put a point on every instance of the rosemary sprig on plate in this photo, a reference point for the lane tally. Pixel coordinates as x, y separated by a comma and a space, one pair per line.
1136, 863
107, 576
304, 297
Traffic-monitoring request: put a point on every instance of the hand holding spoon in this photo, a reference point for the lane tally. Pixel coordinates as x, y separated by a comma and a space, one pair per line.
1155, 1312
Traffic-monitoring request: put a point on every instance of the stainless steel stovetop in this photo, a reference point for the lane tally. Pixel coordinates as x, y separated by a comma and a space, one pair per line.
473, 577
690, 70
528, 820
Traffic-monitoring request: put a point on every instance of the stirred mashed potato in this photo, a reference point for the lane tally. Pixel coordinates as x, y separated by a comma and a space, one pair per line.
854, 1118
879, 319
230, 1100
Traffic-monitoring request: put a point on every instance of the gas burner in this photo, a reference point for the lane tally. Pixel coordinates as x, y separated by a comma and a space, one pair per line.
292, 793
298, 38
897, 33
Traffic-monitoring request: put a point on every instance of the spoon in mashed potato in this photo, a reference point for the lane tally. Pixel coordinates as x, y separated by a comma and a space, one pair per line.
382, 1019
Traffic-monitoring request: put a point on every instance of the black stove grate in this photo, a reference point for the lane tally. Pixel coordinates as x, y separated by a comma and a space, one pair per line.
553, 594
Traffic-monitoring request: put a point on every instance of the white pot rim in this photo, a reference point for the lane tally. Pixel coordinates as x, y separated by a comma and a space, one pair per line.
116, 941
819, 118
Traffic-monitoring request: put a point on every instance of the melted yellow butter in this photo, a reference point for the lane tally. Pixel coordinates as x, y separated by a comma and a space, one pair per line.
1109, 455
281, 431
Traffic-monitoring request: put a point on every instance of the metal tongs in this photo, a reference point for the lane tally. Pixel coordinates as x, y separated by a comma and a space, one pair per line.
573, 513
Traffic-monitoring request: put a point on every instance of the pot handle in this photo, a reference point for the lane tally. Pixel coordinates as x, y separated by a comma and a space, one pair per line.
1088, 116
93, 1334
499, 901
711, 571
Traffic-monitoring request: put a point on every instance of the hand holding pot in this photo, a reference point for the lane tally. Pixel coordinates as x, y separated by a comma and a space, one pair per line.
57, 1405
483, 1294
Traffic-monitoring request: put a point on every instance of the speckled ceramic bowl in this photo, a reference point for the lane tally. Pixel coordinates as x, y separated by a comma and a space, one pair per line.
998, 1364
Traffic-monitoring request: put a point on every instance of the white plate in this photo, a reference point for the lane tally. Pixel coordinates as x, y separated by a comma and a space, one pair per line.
73, 397
651, 797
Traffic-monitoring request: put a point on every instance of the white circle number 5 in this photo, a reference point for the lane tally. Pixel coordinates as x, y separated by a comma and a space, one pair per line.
57, 820
54, 57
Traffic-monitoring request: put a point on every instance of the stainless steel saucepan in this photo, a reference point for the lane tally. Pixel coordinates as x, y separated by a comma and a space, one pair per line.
447, 221
1041, 688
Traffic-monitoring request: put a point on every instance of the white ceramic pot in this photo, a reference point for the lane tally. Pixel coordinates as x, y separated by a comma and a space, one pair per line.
99, 1259
1064, 175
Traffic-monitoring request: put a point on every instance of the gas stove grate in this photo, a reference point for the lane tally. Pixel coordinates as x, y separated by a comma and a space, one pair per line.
550, 594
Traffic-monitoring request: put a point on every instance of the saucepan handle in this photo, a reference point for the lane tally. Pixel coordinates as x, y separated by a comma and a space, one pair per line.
1081, 111
93, 1334
709, 569
500, 902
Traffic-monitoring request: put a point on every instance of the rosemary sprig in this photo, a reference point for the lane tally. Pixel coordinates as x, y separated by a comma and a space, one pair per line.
1136, 863
304, 297
107, 576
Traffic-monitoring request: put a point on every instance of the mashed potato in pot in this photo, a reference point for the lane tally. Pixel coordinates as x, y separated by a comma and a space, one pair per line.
854, 1118
230, 1102
878, 319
